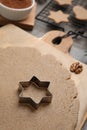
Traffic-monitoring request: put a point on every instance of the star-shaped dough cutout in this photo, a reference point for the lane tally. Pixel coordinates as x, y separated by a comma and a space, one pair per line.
64, 2
43, 85
58, 16
80, 13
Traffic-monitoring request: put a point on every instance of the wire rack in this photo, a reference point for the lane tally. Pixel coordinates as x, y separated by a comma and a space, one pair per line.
53, 5
43, 14
78, 23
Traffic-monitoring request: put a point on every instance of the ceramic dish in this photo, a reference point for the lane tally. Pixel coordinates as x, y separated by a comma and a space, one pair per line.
15, 14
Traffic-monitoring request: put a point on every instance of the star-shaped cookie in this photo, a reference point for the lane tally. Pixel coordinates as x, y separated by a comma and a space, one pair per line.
58, 16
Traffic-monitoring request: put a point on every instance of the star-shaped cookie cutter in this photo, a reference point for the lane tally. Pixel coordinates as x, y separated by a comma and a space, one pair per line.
39, 84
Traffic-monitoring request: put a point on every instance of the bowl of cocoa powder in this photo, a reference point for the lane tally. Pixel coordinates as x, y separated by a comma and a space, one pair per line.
16, 9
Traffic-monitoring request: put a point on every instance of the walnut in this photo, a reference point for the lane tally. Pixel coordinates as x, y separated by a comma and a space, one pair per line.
76, 68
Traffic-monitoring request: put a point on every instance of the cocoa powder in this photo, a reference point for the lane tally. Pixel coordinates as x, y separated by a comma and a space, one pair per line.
17, 4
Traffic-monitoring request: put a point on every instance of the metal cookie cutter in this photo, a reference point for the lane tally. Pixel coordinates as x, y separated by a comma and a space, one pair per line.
39, 84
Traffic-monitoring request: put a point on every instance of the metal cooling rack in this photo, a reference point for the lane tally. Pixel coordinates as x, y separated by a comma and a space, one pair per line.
78, 23
43, 14
53, 5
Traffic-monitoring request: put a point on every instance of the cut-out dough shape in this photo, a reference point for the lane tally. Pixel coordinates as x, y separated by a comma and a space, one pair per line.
58, 16
80, 12
64, 2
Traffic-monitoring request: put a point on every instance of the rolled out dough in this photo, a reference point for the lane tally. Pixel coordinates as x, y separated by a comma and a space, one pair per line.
20, 64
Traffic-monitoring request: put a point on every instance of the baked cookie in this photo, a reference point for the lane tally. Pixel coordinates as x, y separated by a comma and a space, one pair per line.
64, 2
80, 12
58, 16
